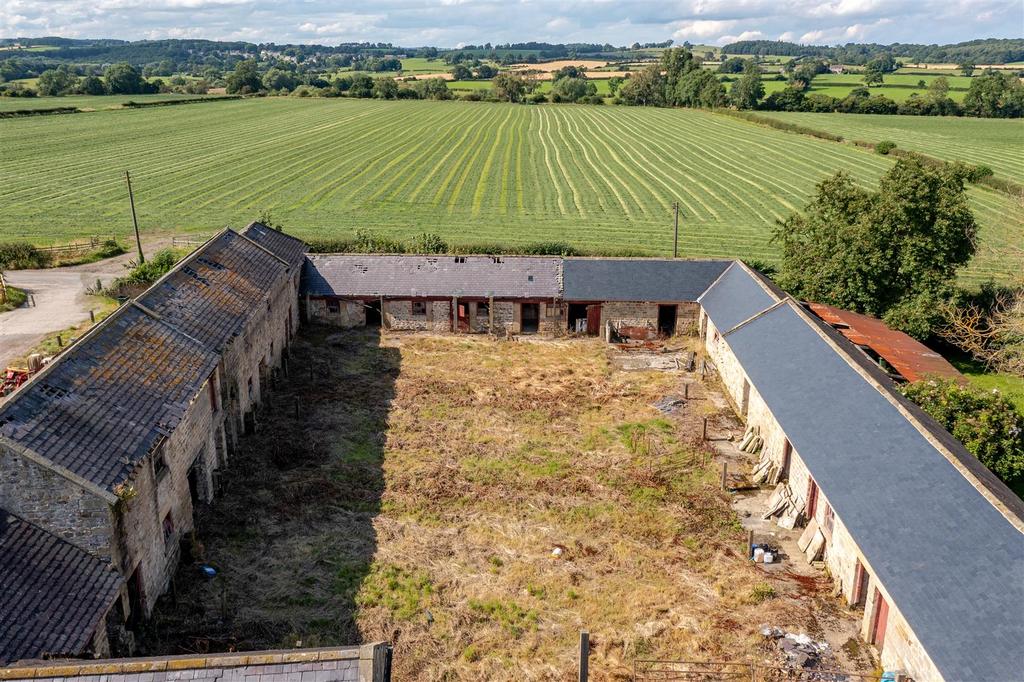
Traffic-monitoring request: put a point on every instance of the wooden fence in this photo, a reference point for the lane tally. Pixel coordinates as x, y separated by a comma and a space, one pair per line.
75, 247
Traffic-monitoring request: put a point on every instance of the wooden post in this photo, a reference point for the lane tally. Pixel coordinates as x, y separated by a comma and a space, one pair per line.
675, 237
455, 314
3, 289
584, 656
750, 544
686, 391
490, 314
704, 432
60, 342
725, 472
135, 220
92, 316
383, 317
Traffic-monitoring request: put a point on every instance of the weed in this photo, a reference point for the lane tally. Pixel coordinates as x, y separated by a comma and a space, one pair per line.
512, 617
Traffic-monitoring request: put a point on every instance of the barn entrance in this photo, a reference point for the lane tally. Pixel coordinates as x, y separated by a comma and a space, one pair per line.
530, 318
373, 316
667, 320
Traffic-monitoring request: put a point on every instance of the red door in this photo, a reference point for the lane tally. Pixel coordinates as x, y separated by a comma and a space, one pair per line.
463, 317
594, 319
880, 620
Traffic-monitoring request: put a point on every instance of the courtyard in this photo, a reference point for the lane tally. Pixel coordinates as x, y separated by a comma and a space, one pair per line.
478, 502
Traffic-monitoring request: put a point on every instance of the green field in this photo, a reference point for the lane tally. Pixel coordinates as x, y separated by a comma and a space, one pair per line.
842, 88
83, 101
472, 172
415, 65
997, 143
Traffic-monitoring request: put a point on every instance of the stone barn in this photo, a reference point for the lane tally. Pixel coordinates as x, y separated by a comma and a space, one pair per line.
461, 294
115, 442
914, 530
635, 294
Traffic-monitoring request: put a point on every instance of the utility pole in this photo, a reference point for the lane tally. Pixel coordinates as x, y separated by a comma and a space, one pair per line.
135, 220
675, 238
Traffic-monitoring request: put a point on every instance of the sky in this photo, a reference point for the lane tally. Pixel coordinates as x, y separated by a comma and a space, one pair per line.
453, 23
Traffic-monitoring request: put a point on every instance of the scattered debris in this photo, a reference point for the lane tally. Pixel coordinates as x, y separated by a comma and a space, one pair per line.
800, 651
669, 404
783, 504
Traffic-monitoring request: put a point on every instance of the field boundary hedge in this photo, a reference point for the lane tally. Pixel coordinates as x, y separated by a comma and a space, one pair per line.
18, 113
171, 102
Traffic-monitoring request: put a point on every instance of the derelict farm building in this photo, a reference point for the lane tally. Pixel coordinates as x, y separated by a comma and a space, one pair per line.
913, 529
112, 445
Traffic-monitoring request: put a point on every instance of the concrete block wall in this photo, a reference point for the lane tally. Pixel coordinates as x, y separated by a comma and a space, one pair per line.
630, 314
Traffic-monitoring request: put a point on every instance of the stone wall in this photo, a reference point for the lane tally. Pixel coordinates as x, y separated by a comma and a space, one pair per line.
348, 313
53, 502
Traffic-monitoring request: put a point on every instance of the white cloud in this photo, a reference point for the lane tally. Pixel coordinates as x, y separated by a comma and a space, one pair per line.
450, 22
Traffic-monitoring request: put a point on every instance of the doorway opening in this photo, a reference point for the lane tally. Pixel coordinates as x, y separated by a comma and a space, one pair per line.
373, 316
530, 318
667, 319
577, 323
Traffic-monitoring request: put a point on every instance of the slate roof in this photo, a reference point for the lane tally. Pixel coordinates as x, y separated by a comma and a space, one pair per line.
54, 595
952, 563
736, 296
109, 399
212, 294
284, 246
443, 276
622, 279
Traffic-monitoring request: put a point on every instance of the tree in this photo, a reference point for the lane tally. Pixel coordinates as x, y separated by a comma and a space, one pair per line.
613, 84
748, 90
872, 76
124, 79
279, 79
700, 88
385, 88
461, 72
995, 94
985, 422
966, 68
56, 82
91, 85
989, 325
732, 65
676, 63
892, 253
432, 88
245, 79
485, 72
509, 86
572, 89
645, 88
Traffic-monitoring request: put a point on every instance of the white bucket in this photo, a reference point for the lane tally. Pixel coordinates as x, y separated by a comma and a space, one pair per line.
768, 557
758, 555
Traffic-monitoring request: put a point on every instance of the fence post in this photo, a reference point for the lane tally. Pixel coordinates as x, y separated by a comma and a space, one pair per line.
725, 472
584, 656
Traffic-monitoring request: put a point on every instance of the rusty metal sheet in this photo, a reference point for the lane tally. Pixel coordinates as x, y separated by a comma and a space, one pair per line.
910, 358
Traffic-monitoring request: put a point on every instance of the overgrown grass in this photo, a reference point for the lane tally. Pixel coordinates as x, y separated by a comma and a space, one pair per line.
15, 298
477, 502
1010, 385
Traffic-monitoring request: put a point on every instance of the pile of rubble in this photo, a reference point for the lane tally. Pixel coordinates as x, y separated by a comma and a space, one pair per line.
799, 651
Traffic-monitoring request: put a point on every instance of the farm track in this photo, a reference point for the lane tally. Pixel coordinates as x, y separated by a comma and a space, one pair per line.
601, 177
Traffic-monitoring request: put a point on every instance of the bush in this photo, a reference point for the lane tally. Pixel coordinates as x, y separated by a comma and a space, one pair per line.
978, 173
20, 256
984, 421
143, 274
884, 147
538, 98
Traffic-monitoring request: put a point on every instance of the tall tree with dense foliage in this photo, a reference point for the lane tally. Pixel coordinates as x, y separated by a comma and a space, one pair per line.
985, 422
124, 79
245, 78
748, 90
55, 82
893, 253
995, 94
645, 88
509, 86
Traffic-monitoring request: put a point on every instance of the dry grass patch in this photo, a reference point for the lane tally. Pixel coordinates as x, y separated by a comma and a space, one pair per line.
423, 494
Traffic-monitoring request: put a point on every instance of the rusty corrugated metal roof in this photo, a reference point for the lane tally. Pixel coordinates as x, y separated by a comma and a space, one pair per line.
910, 358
